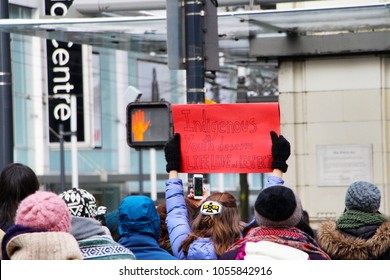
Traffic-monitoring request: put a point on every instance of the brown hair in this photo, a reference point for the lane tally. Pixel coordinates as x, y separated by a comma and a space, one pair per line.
223, 229
164, 241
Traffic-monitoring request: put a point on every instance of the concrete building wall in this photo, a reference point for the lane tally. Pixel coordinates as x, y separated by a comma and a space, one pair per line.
334, 101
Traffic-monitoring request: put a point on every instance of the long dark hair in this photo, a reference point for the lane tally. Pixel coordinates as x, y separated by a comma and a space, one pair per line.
17, 181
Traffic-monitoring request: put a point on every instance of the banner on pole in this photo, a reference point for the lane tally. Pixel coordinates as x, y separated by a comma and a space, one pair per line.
226, 138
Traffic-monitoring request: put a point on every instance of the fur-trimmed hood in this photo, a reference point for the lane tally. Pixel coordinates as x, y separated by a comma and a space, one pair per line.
342, 247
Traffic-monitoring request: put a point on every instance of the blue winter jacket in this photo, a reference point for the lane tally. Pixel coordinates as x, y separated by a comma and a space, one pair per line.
139, 228
179, 227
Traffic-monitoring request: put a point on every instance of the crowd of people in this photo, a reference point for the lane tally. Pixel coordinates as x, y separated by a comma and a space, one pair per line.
42, 225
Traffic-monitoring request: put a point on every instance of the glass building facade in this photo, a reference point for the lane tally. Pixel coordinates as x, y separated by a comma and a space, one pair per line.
107, 166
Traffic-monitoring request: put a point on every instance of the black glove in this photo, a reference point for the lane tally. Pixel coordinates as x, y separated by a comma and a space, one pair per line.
280, 152
172, 153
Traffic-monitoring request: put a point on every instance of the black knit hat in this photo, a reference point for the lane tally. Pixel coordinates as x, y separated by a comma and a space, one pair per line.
278, 206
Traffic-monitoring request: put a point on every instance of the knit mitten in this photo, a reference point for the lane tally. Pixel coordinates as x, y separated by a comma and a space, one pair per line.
280, 152
172, 153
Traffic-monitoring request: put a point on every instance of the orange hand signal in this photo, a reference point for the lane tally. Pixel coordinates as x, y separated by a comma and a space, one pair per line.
139, 126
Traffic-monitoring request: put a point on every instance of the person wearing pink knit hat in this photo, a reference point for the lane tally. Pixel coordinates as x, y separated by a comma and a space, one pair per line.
44, 210
41, 230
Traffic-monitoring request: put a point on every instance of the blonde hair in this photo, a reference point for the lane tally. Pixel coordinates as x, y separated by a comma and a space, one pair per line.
223, 229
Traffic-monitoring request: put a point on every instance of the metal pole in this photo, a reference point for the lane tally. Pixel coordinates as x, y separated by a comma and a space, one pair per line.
194, 13
140, 173
6, 112
194, 62
153, 174
155, 90
73, 139
62, 156
244, 197
152, 151
244, 185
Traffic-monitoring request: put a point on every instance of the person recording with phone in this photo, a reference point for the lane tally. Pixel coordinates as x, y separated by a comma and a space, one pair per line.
198, 186
215, 227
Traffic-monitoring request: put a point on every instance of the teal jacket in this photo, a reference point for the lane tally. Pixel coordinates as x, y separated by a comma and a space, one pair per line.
139, 228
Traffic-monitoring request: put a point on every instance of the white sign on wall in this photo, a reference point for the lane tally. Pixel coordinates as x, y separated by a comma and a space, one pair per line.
340, 165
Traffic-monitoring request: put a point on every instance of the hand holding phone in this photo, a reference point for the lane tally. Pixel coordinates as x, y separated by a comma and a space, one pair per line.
198, 186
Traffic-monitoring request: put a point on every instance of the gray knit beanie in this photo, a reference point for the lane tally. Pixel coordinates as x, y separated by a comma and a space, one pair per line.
363, 196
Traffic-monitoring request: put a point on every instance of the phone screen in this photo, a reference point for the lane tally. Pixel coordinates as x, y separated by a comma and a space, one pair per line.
198, 183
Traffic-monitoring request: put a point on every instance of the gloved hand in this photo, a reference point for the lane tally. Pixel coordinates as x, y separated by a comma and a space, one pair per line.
172, 153
280, 152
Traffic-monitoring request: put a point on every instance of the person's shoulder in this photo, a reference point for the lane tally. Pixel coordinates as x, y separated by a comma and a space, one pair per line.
328, 225
229, 255
202, 248
43, 245
385, 225
165, 255
273, 251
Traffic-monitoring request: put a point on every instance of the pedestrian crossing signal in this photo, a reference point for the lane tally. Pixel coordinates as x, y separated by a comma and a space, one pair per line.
149, 124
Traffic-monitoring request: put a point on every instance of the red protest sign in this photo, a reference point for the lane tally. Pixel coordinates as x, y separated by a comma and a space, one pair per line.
226, 138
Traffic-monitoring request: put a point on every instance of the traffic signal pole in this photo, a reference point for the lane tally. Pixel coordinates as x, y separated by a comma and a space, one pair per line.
194, 58
194, 13
6, 112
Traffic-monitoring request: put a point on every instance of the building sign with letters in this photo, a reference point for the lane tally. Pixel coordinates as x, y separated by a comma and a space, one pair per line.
65, 78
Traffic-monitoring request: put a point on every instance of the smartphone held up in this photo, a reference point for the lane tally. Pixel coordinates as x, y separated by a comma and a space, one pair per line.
198, 186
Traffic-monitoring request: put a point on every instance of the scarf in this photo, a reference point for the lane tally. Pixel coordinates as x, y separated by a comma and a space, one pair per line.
12, 232
289, 236
356, 219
